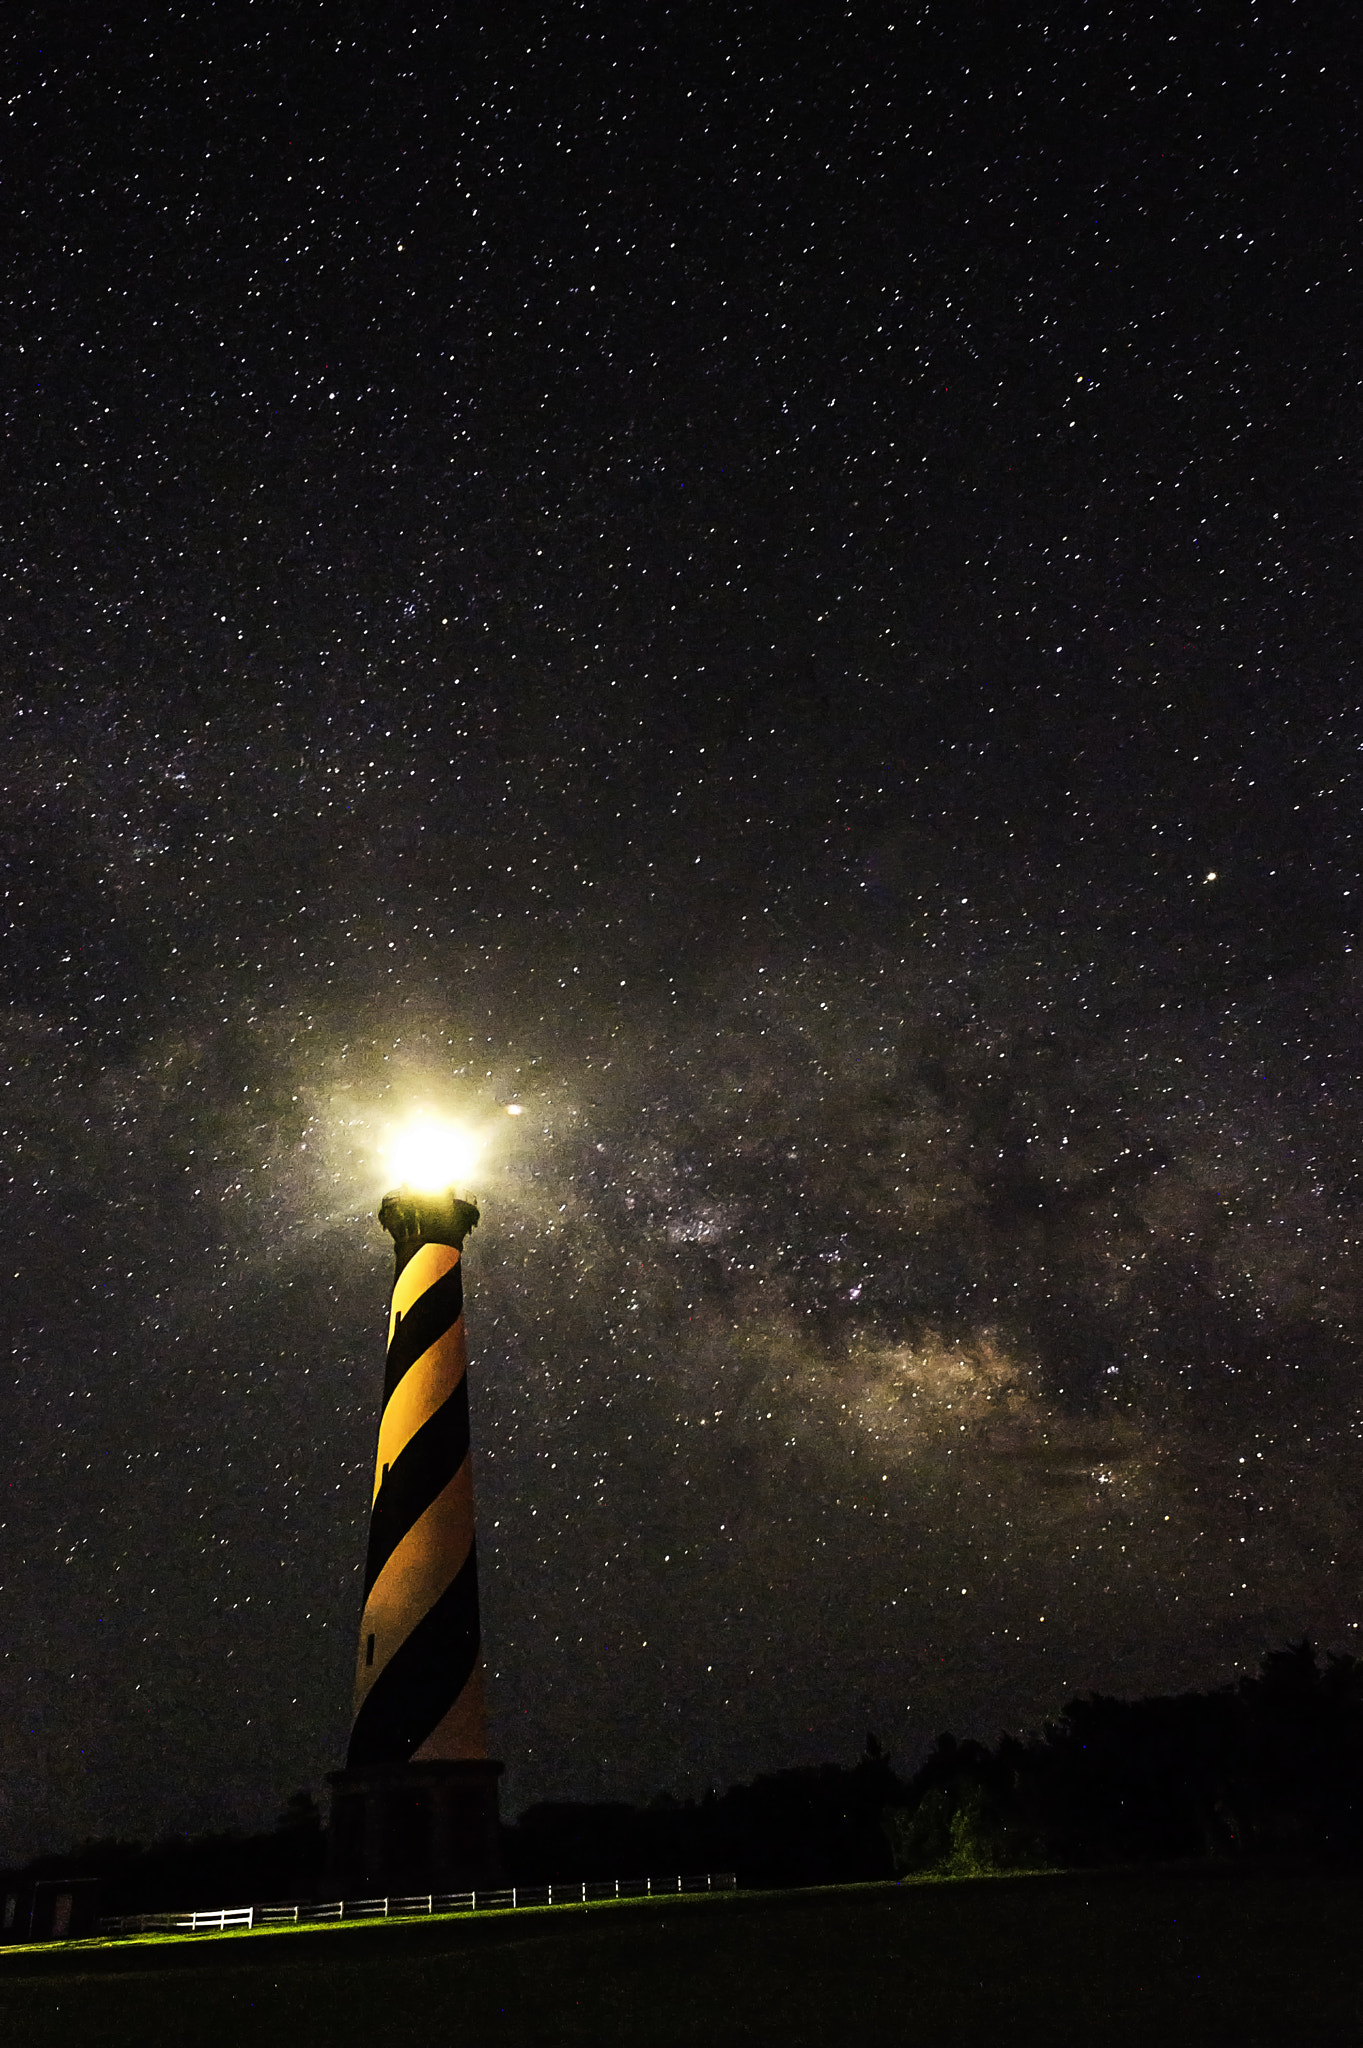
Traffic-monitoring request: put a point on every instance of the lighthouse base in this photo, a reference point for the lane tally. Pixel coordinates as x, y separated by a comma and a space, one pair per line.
398, 1829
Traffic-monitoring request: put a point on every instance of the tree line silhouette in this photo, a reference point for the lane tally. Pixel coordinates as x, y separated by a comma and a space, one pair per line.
1271, 1764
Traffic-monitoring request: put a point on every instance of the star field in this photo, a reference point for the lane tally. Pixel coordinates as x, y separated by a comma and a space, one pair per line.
779, 593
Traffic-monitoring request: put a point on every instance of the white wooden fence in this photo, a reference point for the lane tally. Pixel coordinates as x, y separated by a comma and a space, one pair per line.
219, 1919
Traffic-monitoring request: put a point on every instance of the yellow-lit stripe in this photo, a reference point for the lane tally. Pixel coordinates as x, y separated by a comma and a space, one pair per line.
417, 1395
417, 1573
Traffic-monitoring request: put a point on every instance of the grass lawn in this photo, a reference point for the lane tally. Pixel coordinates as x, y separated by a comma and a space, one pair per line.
1155, 1958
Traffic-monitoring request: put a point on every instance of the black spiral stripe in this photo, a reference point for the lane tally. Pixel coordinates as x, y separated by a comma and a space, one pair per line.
424, 1324
423, 1679
421, 1471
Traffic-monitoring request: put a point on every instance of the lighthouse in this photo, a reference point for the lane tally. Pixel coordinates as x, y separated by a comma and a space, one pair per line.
415, 1809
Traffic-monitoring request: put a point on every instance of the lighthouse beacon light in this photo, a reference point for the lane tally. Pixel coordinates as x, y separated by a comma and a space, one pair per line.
430, 1154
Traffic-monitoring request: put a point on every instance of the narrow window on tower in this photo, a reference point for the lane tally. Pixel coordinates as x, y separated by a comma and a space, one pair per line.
385, 1475
369, 1650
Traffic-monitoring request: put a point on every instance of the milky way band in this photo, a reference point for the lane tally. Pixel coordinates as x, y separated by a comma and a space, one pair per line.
418, 1679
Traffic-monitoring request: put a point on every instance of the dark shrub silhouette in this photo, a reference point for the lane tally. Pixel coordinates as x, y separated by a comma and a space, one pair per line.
1272, 1764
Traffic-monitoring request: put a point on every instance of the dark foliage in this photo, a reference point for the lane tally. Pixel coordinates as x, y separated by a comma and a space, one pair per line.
820, 1825
200, 1870
1272, 1764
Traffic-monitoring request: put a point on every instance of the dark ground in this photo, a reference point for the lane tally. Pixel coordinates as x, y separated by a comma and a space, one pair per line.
1257, 1956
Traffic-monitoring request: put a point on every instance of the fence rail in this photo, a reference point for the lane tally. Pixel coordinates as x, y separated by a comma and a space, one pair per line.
219, 1919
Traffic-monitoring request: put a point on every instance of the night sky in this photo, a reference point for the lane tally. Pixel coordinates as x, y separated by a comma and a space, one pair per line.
777, 586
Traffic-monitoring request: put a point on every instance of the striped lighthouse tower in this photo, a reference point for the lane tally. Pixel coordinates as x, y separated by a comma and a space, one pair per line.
416, 1807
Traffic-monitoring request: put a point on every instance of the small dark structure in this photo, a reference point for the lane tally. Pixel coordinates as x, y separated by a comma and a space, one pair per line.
48, 1908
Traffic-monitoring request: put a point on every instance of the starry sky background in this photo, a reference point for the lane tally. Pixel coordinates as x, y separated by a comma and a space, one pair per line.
777, 585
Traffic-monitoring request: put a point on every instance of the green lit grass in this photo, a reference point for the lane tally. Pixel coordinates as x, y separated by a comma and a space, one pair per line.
1126, 1959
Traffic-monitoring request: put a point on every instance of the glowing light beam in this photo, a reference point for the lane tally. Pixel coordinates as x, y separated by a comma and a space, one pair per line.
430, 1155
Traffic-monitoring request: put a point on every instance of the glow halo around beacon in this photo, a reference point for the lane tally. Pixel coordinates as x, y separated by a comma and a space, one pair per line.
430, 1155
